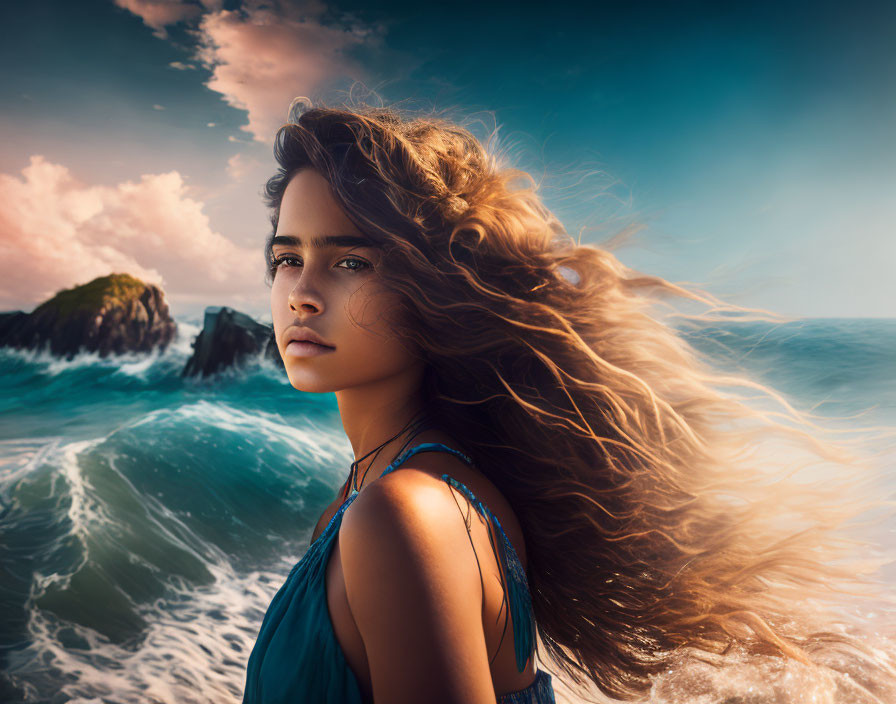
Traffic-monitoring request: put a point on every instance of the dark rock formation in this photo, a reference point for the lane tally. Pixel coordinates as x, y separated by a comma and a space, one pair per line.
229, 338
112, 314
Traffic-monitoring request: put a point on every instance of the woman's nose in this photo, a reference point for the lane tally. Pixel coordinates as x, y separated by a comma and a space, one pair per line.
304, 295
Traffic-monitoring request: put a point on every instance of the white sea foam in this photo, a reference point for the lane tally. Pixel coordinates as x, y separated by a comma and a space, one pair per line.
195, 647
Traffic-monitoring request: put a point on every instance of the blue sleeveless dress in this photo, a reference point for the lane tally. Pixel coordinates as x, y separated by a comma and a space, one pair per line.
297, 658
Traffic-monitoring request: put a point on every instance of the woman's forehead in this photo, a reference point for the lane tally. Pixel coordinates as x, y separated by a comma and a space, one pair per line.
309, 209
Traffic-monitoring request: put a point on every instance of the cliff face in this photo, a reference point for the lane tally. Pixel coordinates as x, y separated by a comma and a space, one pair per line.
118, 313
112, 314
228, 339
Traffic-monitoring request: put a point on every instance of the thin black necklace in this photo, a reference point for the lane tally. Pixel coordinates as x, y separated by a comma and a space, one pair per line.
416, 427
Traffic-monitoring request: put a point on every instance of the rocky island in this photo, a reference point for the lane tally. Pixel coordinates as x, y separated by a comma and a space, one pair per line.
228, 338
118, 313
112, 314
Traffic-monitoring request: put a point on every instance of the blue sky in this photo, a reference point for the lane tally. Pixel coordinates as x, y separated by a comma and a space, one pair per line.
754, 142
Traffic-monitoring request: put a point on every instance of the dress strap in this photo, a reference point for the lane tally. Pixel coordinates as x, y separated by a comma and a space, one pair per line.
424, 447
516, 587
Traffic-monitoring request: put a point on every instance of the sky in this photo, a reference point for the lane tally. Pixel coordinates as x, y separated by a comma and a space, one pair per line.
753, 145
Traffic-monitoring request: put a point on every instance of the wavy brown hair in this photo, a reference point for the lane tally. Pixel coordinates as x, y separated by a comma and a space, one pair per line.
651, 522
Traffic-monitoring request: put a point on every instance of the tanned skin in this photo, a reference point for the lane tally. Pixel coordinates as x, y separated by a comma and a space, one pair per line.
413, 617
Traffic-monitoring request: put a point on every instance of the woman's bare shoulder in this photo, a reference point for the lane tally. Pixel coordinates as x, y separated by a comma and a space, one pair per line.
417, 606
410, 500
424, 471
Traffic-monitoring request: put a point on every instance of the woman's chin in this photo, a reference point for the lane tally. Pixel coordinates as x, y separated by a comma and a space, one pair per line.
311, 387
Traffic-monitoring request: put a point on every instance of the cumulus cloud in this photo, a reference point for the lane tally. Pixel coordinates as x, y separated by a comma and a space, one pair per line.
261, 59
239, 166
158, 107
58, 232
267, 52
158, 14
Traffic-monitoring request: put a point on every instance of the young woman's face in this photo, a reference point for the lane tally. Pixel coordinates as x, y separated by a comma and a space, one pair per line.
332, 290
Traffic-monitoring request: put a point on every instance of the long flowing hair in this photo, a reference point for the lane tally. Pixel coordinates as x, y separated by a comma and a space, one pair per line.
651, 522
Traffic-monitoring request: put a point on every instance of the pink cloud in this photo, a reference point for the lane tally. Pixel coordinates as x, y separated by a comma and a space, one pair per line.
261, 59
160, 13
267, 52
56, 232
239, 166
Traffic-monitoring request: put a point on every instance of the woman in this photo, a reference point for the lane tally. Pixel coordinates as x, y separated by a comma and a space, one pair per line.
484, 362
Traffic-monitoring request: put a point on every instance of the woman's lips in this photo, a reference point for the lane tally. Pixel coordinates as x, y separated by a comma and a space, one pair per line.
306, 349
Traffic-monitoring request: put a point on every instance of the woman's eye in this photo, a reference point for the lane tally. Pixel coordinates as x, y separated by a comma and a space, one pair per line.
360, 264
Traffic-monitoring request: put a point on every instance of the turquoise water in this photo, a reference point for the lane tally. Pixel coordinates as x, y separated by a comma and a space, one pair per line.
148, 519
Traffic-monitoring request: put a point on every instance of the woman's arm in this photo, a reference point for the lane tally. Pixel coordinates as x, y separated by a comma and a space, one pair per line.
415, 592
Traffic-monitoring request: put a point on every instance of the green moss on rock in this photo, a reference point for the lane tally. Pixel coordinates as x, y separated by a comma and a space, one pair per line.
112, 314
104, 291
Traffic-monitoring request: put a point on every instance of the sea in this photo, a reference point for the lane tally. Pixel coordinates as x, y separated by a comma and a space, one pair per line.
147, 519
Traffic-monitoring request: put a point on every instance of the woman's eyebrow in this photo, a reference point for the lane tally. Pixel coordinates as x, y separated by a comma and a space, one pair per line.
326, 241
